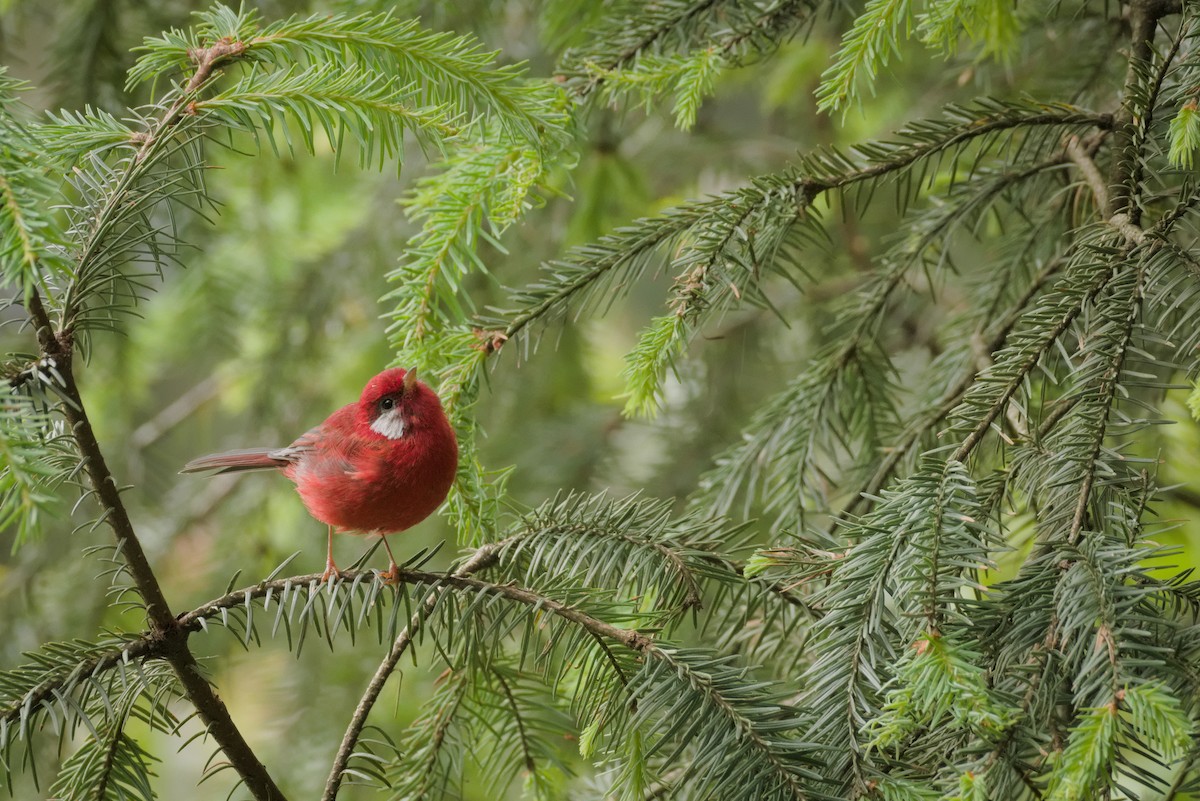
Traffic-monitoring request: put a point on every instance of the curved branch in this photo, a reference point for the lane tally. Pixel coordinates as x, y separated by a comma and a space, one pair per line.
166, 638
1127, 150
483, 558
149, 645
643, 236
950, 398
1109, 383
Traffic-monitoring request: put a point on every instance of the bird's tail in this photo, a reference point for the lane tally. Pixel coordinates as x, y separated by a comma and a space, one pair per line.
236, 461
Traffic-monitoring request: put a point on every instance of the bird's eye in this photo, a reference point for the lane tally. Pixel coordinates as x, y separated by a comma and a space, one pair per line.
387, 404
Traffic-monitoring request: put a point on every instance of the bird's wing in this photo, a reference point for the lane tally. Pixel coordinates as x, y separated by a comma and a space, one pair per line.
331, 447
306, 443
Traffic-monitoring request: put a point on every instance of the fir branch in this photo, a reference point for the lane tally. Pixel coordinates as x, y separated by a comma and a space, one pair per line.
1142, 84
633, 545
61, 669
1091, 173
1098, 406
374, 109
861, 630
75, 134
663, 21
714, 680
731, 31
1088, 274
923, 423
424, 768
939, 684
689, 78
771, 765
835, 401
482, 559
592, 275
111, 767
57, 345
994, 24
865, 48
451, 69
60, 353
451, 72
31, 241
36, 458
485, 185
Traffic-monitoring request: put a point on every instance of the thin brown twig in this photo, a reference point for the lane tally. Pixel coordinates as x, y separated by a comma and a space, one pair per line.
483, 558
57, 345
59, 349
1143, 22
1091, 173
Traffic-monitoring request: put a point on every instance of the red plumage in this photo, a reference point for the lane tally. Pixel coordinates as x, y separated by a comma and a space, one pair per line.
380, 465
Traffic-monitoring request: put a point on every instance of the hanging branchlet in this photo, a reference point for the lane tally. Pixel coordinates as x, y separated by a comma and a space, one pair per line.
677, 45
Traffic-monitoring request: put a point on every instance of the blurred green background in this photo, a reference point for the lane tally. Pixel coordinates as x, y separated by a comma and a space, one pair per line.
276, 321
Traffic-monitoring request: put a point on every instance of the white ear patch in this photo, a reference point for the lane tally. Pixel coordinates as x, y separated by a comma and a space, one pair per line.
390, 425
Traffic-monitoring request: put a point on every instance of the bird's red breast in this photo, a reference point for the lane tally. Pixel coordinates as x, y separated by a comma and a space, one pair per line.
382, 464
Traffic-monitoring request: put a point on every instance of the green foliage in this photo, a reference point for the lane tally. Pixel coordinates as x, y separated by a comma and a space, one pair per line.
1185, 135
880, 517
112, 767
1087, 757
30, 236
339, 101
499, 718
34, 461
633, 545
834, 405
635, 44
689, 78
938, 684
875, 39
866, 48
994, 24
453, 73
90, 690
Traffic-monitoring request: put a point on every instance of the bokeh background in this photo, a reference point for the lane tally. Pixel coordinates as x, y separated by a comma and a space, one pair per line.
277, 319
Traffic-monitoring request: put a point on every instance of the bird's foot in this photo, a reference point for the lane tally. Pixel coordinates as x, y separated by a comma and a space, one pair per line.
391, 575
331, 572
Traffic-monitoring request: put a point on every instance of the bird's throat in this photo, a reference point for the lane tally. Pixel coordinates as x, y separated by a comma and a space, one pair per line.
390, 425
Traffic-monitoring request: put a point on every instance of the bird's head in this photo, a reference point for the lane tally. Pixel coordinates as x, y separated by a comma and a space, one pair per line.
394, 405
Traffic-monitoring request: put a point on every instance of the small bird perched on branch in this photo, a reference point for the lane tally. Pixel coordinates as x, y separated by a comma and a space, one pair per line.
377, 466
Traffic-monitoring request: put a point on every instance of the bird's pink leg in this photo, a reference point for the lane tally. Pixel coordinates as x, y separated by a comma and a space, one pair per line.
330, 568
392, 576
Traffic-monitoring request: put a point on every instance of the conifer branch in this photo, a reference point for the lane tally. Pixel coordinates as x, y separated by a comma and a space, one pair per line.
1028, 360
730, 31
57, 345
58, 350
1102, 404
923, 424
482, 559
1091, 173
1144, 16
794, 190
669, 21
152, 646
992, 385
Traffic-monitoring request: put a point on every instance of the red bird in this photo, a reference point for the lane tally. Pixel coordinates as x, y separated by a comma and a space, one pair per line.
378, 466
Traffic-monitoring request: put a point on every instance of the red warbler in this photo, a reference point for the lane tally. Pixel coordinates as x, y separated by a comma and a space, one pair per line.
377, 466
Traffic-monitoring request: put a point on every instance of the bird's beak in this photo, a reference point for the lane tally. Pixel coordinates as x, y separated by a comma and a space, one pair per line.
410, 380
